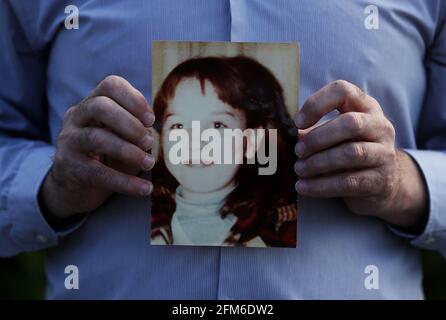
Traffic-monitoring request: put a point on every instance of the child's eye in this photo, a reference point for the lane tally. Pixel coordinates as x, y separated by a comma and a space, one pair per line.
176, 126
219, 125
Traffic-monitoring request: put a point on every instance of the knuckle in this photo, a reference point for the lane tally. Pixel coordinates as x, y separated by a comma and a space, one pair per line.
68, 114
84, 107
354, 122
359, 92
110, 83
59, 162
359, 184
389, 129
343, 86
347, 152
58, 158
62, 139
374, 102
101, 104
392, 155
349, 184
65, 138
96, 138
357, 151
66, 142
366, 185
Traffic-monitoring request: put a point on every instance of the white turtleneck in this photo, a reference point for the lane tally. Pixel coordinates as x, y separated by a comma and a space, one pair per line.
197, 219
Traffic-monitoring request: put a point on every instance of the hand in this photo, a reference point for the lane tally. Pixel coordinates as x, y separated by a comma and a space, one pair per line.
101, 148
353, 156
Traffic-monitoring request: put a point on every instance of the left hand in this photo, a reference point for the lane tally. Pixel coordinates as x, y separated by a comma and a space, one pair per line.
353, 156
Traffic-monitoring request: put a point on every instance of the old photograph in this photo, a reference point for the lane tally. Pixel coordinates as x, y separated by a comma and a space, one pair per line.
225, 144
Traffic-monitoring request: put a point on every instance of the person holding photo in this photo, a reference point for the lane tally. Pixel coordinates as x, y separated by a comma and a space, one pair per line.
75, 138
223, 204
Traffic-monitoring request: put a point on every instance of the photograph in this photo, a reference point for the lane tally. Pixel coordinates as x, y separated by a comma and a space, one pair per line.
188, 152
224, 144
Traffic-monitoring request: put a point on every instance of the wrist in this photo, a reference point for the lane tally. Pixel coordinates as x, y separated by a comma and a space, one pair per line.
51, 202
408, 209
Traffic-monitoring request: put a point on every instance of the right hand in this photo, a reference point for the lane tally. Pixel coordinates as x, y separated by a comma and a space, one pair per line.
100, 150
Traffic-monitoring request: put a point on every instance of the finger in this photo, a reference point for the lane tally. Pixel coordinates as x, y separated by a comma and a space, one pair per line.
340, 95
120, 90
103, 142
361, 183
354, 155
98, 175
105, 111
350, 126
303, 132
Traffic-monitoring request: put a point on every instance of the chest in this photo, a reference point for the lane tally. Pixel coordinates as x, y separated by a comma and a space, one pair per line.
380, 50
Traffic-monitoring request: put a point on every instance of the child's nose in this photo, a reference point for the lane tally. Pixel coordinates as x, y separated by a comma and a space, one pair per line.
195, 145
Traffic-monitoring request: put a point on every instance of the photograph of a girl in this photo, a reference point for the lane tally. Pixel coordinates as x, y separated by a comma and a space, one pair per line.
206, 203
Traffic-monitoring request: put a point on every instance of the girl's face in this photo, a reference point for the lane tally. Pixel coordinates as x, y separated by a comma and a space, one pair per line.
189, 104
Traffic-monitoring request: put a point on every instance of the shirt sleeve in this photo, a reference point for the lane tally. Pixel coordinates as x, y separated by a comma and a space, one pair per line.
25, 151
431, 139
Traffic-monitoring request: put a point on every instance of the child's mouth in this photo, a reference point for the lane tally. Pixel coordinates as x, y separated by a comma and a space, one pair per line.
203, 163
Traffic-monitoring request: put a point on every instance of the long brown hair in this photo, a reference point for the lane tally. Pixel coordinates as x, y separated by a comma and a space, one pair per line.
258, 201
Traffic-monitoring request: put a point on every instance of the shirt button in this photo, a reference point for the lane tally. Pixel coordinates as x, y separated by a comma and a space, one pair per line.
41, 238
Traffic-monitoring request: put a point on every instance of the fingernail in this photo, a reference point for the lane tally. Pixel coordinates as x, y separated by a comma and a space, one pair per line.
300, 148
145, 189
300, 120
300, 167
301, 186
148, 119
147, 163
146, 142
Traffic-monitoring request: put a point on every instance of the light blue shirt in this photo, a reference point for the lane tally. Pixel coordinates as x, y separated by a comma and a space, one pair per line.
45, 68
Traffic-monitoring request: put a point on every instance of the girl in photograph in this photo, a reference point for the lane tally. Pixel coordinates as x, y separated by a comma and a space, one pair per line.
223, 204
